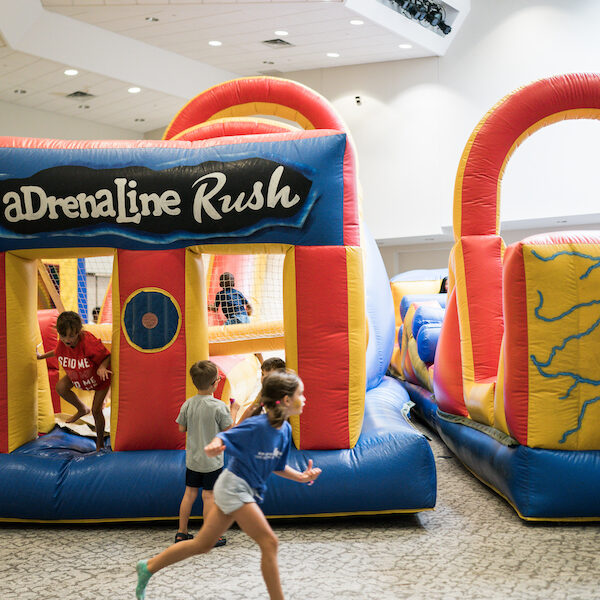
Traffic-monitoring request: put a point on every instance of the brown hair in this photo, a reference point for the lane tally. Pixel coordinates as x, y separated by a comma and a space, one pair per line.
68, 321
226, 280
275, 387
203, 374
273, 364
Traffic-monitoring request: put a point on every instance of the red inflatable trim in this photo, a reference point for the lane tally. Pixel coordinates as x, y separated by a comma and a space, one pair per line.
323, 353
515, 115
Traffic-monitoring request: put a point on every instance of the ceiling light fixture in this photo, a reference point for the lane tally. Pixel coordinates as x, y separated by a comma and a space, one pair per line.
134, 90
71, 72
20, 91
357, 22
152, 19
215, 43
405, 46
333, 55
139, 119
281, 32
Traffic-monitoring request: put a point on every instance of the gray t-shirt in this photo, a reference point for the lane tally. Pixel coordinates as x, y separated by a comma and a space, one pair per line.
203, 417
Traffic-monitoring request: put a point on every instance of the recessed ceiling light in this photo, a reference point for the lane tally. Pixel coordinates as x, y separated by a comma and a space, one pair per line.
404, 46
84, 106
333, 55
71, 72
281, 32
134, 90
20, 91
152, 19
215, 43
357, 22
139, 119
268, 62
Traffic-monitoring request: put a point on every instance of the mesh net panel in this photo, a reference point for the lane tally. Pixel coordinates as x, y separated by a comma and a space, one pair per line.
84, 285
98, 279
81, 283
259, 278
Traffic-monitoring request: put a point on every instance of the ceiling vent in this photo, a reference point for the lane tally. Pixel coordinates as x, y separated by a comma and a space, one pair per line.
79, 95
276, 43
272, 73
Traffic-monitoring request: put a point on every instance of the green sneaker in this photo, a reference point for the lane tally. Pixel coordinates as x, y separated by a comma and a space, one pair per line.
143, 578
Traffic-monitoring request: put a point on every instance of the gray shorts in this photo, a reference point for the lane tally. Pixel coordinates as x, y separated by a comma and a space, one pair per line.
232, 492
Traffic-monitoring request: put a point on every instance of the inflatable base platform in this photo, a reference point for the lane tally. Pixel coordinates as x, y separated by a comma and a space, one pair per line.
540, 484
57, 478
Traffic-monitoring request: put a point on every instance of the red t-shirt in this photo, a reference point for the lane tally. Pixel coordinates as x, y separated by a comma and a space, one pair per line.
82, 362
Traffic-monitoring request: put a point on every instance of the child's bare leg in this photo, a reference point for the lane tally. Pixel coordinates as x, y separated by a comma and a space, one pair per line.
97, 405
185, 508
64, 390
216, 524
208, 501
253, 522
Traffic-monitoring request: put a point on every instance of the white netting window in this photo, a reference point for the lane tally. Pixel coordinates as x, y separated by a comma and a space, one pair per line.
79, 284
98, 278
245, 289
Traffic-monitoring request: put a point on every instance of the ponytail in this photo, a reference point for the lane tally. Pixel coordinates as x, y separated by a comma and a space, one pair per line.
275, 387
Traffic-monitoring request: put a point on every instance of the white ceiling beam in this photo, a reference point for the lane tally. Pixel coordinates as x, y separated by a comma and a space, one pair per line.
28, 28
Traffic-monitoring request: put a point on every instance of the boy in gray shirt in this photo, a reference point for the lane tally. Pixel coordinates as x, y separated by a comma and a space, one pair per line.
202, 416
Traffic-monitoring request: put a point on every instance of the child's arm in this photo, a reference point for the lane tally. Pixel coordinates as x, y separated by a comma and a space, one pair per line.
182, 428
45, 355
215, 448
234, 409
102, 370
307, 476
248, 412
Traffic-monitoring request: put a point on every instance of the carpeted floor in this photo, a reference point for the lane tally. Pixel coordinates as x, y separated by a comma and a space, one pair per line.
472, 546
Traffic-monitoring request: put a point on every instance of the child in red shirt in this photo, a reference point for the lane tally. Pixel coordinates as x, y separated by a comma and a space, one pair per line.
85, 361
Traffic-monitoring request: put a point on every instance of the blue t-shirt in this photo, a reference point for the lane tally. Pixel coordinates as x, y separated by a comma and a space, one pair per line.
232, 302
255, 450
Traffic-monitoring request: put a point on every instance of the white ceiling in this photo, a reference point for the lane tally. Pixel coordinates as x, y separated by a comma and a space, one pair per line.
114, 45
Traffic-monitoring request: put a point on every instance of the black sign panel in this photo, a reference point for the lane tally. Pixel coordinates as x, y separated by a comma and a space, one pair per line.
209, 198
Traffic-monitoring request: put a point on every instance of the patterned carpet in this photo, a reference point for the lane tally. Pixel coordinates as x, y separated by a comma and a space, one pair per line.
472, 546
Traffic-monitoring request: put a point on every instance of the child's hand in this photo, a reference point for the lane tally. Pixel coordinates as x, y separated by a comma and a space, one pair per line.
310, 473
215, 448
103, 372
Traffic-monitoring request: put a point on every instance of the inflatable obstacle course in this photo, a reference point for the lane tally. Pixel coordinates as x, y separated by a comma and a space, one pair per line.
222, 183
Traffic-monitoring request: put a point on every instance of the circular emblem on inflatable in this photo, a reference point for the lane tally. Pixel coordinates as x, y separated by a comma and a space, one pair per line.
151, 319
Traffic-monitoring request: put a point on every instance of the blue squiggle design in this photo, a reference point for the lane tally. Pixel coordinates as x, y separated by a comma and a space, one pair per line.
540, 364
558, 317
566, 434
562, 345
595, 259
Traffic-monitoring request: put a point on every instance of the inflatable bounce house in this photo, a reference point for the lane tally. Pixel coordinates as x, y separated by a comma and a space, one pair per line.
517, 368
224, 182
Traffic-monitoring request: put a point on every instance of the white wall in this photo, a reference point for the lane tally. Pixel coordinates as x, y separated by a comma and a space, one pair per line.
20, 121
417, 115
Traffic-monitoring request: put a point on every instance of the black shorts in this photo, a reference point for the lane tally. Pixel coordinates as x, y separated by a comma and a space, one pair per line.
206, 481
